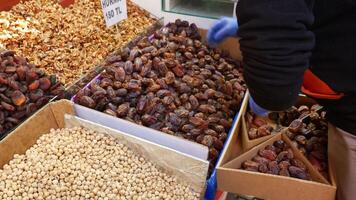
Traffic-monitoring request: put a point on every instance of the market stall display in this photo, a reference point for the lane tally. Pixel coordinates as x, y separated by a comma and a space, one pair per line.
69, 41
174, 83
81, 163
24, 89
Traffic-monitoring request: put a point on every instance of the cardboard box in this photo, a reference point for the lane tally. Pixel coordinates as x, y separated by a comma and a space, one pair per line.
247, 143
235, 180
186, 168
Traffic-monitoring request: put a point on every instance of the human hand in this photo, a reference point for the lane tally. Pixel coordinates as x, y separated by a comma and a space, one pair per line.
259, 111
225, 27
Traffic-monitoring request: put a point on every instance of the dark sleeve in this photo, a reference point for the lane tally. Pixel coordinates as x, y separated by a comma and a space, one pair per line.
276, 43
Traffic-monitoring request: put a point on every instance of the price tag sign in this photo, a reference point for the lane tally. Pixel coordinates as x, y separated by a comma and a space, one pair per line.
114, 11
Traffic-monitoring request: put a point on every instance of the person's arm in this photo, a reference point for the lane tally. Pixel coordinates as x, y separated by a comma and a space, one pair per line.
276, 43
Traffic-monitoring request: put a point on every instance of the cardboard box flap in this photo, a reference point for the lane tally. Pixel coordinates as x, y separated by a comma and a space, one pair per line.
185, 168
271, 187
26, 135
60, 108
180, 144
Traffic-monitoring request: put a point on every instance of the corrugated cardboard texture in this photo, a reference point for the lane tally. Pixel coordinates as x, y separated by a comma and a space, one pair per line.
232, 179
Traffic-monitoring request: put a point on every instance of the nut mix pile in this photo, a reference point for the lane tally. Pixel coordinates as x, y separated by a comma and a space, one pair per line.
311, 138
78, 163
172, 83
23, 89
277, 159
66, 41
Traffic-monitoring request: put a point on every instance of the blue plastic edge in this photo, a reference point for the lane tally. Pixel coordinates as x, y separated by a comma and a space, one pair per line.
211, 183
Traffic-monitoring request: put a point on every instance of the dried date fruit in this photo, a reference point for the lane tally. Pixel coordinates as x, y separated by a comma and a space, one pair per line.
269, 154
18, 98
273, 167
297, 172
296, 126
87, 101
300, 139
263, 168
208, 140
250, 164
7, 106
284, 172
284, 164
252, 133
298, 163
264, 130
123, 109
260, 160
279, 144
282, 156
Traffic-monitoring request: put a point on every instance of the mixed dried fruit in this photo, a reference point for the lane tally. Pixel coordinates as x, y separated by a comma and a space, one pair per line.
79, 163
277, 159
23, 89
174, 83
67, 41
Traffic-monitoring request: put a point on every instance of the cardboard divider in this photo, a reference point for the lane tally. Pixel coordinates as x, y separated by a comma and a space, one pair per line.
233, 179
233, 144
317, 175
185, 168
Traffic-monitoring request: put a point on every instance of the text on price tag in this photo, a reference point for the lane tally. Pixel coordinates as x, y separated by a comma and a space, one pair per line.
114, 11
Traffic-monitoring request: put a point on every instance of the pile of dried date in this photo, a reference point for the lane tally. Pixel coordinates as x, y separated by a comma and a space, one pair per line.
23, 89
174, 83
259, 127
277, 159
310, 136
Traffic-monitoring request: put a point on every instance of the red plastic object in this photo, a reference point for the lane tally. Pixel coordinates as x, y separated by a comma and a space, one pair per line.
6, 5
218, 195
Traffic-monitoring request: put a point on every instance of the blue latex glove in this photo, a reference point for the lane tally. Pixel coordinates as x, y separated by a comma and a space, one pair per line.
225, 27
259, 111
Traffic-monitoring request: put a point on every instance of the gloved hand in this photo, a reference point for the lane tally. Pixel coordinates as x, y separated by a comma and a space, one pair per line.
259, 111
225, 27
